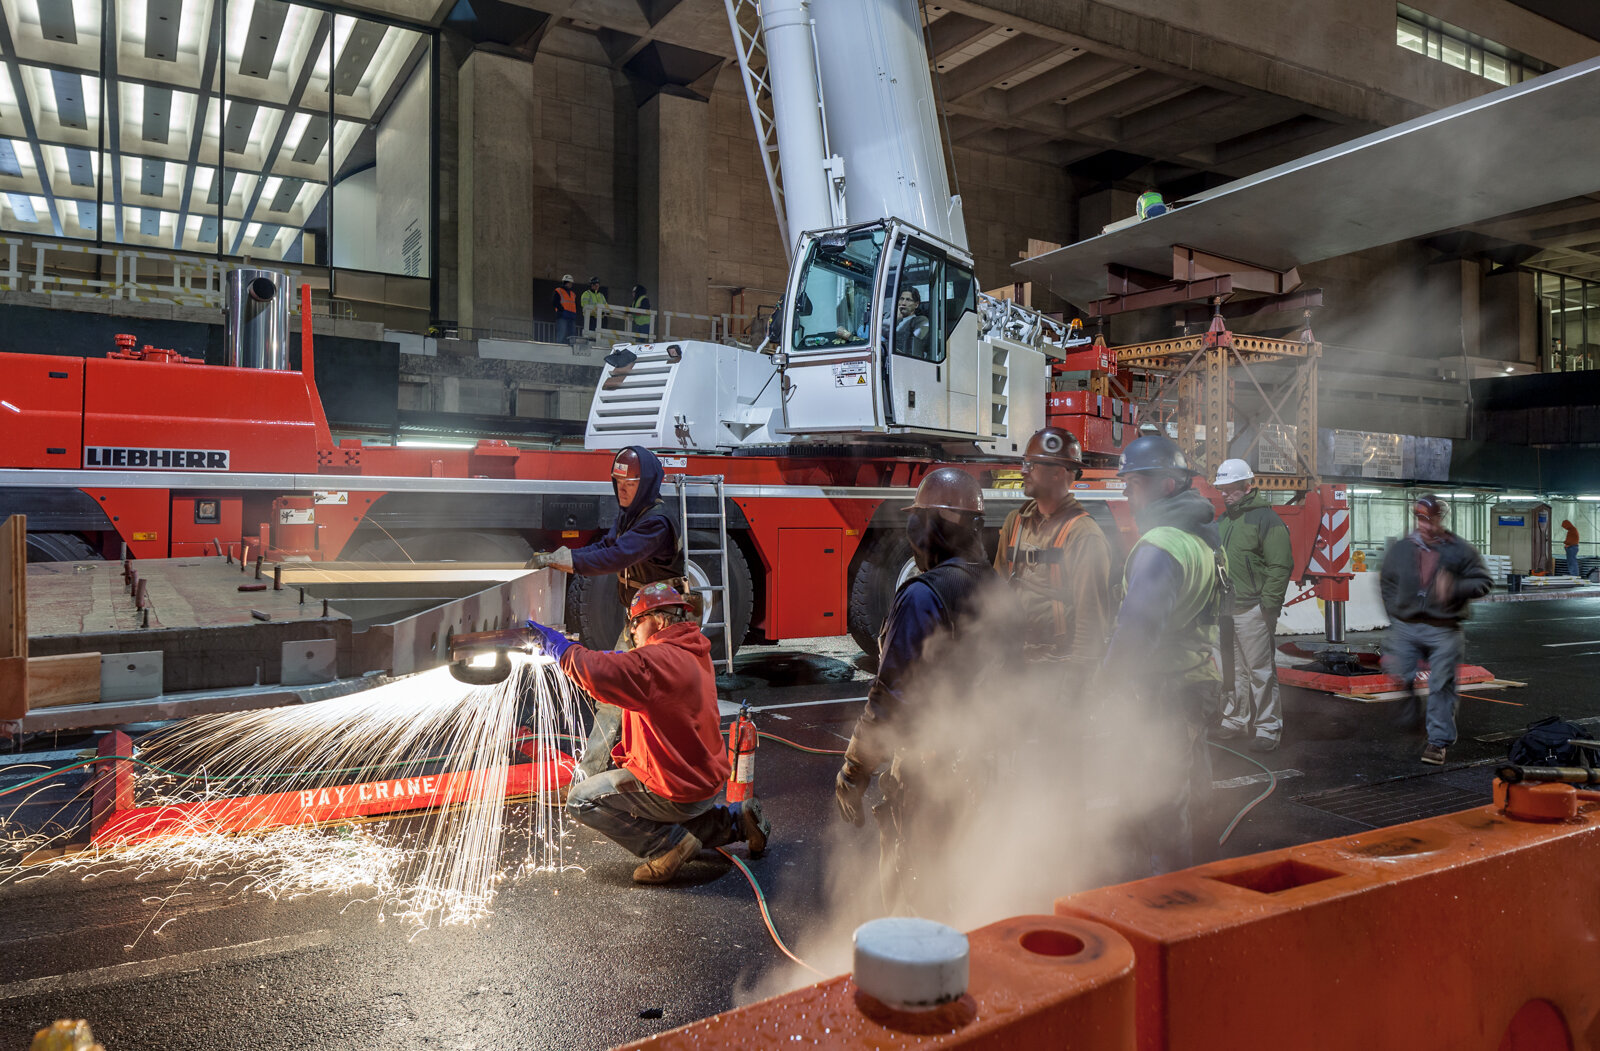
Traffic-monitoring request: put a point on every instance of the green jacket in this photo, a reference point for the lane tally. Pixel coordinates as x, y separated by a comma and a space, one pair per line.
1259, 555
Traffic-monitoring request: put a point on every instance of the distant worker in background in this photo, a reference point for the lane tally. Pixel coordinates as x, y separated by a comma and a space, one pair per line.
641, 547
1160, 655
1058, 562
1428, 578
593, 302
911, 327
640, 302
565, 303
1260, 560
928, 659
1571, 545
656, 794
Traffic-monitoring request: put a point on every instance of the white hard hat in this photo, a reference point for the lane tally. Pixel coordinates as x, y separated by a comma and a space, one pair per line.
565, 278
1233, 471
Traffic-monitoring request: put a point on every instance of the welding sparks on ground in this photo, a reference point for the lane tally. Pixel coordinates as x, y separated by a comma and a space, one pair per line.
439, 867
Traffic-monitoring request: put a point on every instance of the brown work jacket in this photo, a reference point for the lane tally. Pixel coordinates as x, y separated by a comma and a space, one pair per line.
1060, 571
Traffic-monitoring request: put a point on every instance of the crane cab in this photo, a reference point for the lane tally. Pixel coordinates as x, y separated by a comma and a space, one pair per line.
880, 334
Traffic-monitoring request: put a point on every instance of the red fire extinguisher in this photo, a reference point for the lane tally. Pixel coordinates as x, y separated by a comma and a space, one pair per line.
742, 756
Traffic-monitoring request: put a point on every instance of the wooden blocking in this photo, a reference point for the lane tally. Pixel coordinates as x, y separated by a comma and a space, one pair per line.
113, 779
71, 678
14, 618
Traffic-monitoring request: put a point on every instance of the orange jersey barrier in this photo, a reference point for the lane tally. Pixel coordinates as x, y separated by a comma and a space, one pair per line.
1471, 930
1036, 981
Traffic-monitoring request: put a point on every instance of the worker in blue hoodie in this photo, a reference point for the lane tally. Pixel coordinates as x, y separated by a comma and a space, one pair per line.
641, 547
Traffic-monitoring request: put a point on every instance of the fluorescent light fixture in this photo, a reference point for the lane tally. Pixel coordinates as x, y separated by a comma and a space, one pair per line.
1589, 499
1458, 496
428, 443
1366, 492
1508, 368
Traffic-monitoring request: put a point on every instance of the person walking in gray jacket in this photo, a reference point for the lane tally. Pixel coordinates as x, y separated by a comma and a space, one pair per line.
1429, 576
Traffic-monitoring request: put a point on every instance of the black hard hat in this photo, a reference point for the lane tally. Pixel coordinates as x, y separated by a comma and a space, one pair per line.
1153, 452
594, 280
1055, 446
949, 489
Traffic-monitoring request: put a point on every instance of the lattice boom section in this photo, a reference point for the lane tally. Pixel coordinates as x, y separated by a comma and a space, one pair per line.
1169, 353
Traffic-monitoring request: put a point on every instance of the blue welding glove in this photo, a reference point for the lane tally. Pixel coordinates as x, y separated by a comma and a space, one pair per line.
549, 640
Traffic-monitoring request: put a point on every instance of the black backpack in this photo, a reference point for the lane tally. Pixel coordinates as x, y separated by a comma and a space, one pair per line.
1545, 744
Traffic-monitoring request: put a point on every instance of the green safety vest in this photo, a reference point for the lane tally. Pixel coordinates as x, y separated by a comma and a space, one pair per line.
1192, 635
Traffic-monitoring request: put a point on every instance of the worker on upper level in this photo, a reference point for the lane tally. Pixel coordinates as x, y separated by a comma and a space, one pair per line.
1428, 578
593, 303
928, 663
1057, 561
641, 547
1159, 659
1571, 542
1260, 561
564, 301
656, 795
639, 303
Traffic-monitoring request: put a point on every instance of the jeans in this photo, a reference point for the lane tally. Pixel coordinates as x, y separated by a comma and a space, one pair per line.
618, 806
1441, 648
566, 327
1572, 560
1255, 706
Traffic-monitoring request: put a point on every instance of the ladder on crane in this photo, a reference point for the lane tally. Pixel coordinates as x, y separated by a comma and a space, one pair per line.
717, 599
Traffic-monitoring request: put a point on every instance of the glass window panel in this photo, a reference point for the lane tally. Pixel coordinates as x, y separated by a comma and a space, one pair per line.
1453, 52
1496, 68
1411, 36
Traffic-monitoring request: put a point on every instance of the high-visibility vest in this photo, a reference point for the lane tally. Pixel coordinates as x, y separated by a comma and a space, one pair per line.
1017, 556
568, 298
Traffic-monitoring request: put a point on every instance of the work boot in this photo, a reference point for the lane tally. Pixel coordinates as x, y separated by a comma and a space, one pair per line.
756, 827
1224, 732
665, 865
1264, 744
1433, 755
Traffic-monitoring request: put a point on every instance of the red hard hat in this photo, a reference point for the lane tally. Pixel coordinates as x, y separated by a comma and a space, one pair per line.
626, 465
949, 489
656, 596
1054, 446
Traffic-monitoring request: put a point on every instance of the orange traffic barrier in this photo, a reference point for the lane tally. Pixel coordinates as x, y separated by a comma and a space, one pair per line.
1471, 930
1035, 981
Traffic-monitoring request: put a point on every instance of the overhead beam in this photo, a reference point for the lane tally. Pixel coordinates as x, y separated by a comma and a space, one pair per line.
953, 32
996, 64
197, 131
8, 53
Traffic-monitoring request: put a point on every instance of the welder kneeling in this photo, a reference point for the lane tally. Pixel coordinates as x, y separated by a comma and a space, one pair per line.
658, 798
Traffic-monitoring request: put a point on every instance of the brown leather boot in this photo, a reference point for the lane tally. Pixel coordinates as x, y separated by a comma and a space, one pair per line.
664, 866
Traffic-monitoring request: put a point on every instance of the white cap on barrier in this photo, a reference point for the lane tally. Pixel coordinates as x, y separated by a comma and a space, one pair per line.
910, 964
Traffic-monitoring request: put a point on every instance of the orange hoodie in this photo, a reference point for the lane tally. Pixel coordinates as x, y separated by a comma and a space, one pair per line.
671, 737
1572, 533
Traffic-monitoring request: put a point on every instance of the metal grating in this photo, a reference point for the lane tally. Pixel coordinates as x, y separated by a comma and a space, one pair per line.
1394, 802
161, 29
157, 125
261, 43
55, 21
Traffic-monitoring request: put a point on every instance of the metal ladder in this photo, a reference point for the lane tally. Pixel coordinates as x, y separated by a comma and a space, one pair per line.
709, 591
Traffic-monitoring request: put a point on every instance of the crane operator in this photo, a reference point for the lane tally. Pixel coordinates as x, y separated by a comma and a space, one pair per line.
641, 547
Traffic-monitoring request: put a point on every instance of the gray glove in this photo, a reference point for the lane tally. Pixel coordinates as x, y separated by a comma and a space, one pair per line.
560, 558
852, 781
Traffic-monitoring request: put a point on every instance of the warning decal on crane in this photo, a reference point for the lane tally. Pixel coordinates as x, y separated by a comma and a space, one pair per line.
850, 374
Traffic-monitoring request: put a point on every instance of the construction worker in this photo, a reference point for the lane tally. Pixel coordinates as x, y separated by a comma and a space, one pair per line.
927, 663
565, 304
639, 301
1160, 655
641, 547
1428, 578
1057, 561
1571, 543
593, 302
1260, 560
656, 796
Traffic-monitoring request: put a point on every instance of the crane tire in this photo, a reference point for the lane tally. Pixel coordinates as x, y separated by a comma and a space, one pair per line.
887, 562
60, 547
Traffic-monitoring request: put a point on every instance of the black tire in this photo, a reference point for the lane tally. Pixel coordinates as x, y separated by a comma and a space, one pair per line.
438, 546
739, 596
593, 612
60, 547
873, 586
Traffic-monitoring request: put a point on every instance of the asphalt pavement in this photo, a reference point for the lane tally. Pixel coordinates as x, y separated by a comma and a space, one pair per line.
587, 959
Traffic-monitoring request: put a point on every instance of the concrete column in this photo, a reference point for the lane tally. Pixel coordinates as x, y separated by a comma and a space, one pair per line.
674, 184
498, 113
1471, 308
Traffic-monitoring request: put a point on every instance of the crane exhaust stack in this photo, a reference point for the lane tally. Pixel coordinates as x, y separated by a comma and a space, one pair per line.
258, 319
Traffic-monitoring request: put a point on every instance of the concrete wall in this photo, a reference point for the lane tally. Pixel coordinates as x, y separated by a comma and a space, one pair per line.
1007, 201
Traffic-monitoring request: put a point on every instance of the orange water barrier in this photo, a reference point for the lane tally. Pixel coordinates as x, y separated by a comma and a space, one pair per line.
1036, 982
1471, 930
1479, 929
